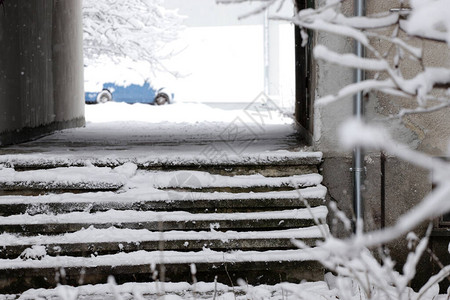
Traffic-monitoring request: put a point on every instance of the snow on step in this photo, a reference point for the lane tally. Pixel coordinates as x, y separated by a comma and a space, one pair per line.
114, 216
62, 178
154, 195
186, 291
158, 160
148, 258
116, 235
139, 189
157, 200
198, 180
107, 178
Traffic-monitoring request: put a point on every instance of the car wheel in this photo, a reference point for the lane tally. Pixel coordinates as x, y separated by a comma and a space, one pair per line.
161, 99
104, 96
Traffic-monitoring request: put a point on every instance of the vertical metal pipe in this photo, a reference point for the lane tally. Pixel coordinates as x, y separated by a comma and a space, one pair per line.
358, 113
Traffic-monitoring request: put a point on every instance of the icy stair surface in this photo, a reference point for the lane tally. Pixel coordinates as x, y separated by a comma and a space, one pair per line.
142, 221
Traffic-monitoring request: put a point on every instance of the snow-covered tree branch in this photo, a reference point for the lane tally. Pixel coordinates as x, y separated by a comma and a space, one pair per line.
426, 90
427, 19
136, 29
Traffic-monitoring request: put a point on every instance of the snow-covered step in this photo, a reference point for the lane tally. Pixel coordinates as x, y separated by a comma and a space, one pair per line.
71, 222
156, 200
104, 178
91, 217
19, 275
156, 257
273, 163
71, 178
92, 241
184, 290
195, 180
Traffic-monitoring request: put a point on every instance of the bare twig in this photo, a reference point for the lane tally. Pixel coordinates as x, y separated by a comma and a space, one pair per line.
231, 281
215, 287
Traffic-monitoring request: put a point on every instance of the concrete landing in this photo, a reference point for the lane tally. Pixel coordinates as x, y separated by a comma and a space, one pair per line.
136, 141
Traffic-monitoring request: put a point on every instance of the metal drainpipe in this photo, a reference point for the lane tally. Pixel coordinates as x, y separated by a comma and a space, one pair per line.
358, 113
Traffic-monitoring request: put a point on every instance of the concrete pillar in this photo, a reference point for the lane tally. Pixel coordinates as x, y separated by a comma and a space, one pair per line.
68, 60
41, 68
9, 69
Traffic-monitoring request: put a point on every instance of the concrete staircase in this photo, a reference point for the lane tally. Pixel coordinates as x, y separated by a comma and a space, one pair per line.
77, 222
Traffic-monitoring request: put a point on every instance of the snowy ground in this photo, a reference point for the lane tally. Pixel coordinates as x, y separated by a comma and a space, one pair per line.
119, 130
187, 113
184, 290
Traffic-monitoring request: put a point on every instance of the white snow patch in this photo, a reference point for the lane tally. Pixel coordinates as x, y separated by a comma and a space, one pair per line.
34, 252
197, 179
157, 257
127, 169
354, 132
67, 292
186, 291
368, 22
123, 71
178, 113
151, 194
151, 216
146, 156
64, 176
113, 234
429, 19
349, 60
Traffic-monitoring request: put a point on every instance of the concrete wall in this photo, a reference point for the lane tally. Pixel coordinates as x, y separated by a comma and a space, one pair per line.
425, 132
392, 187
430, 132
41, 68
328, 79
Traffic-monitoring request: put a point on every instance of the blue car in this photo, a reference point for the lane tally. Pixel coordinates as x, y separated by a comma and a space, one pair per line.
132, 93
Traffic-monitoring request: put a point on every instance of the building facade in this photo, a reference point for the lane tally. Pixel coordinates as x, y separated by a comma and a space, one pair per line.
391, 186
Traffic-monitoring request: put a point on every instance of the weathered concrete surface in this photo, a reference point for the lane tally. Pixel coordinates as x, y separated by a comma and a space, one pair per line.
425, 132
329, 79
386, 199
439, 246
406, 186
68, 60
188, 202
254, 273
26, 57
41, 70
104, 248
337, 177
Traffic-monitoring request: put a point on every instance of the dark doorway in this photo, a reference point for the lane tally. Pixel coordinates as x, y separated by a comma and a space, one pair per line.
303, 98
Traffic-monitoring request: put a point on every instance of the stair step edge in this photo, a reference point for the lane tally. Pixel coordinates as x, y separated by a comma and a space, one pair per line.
160, 257
118, 235
136, 196
265, 158
198, 290
115, 216
93, 178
